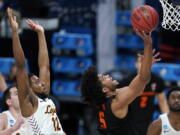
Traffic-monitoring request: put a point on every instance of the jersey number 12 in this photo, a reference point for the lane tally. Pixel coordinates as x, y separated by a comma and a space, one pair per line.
56, 123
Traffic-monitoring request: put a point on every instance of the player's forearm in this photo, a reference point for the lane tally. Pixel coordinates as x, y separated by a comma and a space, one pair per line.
18, 51
8, 131
145, 70
164, 108
3, 85
43, 57
163, 103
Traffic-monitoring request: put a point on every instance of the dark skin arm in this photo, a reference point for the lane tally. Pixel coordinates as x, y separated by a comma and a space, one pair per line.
126, 95
26, 97
155, 128
43, 57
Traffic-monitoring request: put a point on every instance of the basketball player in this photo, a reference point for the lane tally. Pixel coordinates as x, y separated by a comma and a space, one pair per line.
168, 124
11, 122
110, 103
40, 113
143, 108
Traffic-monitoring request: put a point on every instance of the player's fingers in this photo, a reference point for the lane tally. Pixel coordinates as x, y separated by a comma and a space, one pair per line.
139, 55
140, 34
144, 34
159, 59
137, 32
32, 26
30, 21
157, 54
37, 22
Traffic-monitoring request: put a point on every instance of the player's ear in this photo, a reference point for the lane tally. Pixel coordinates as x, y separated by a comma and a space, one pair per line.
105, 89
8, 102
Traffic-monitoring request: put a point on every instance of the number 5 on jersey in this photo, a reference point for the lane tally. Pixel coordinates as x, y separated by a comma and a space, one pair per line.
102, 120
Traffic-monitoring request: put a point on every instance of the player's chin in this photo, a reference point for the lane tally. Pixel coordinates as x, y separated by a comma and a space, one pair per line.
46, 93
115, 82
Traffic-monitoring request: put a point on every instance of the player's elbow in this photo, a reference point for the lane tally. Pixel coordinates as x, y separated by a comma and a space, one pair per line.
20, 65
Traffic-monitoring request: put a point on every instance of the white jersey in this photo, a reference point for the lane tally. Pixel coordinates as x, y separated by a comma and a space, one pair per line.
167, 129
45, 121
11, 121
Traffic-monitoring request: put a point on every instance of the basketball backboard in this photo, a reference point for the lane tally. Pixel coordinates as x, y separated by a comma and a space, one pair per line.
175, 2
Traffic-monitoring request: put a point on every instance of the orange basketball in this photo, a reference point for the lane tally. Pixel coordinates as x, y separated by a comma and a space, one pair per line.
144, 18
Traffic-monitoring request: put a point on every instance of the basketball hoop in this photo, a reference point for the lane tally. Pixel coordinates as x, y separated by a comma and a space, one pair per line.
171, 16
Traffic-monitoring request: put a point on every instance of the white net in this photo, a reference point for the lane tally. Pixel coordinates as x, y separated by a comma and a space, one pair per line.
171, 16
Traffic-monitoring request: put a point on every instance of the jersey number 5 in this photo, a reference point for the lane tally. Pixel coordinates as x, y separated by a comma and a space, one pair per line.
102, 120
56, 123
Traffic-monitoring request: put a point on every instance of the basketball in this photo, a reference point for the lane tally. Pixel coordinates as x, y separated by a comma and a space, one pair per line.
144, 18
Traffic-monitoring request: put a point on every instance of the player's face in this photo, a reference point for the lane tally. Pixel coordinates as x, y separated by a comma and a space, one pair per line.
37, 85
174, 101
14, 101
108, 81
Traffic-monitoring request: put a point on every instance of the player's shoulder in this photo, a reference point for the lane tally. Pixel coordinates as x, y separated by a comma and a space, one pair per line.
157, 123
155, 127
3, 116
3, 119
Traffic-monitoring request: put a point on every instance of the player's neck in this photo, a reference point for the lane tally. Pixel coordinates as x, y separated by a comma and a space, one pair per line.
111, 93
174, 115
15, 113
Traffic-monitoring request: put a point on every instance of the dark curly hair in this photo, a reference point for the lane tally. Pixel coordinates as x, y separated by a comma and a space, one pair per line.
175, 88
6, 96
91, 87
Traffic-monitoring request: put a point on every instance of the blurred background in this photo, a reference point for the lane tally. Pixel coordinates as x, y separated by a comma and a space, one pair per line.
81, 33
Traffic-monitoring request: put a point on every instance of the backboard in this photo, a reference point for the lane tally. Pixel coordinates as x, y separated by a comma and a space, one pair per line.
175, 2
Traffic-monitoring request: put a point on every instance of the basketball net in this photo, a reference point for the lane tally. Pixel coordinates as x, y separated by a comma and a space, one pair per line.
171, 16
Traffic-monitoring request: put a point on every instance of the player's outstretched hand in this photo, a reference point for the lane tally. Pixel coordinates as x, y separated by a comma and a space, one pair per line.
35, 25
155, 57
145, 36
12, 20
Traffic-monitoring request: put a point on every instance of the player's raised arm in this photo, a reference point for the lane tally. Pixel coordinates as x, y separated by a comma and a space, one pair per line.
43, 57
127, 94
26, 96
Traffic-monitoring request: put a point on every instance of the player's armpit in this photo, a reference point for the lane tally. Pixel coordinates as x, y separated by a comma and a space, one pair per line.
126, 95
154, 128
